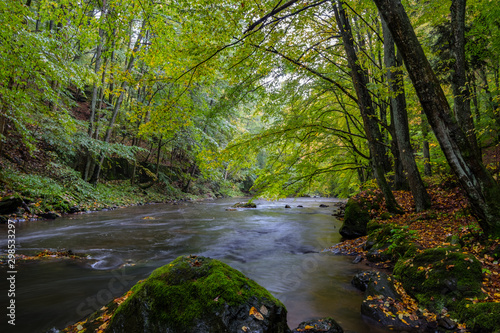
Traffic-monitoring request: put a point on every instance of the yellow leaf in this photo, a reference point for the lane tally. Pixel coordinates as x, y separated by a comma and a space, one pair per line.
254, 312
308, 327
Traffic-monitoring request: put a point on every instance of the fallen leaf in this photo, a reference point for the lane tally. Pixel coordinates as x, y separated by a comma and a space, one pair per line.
254, 312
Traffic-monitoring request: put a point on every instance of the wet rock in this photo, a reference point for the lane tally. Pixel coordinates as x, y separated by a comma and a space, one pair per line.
74, 209
383, 305
49, 215
362, 279
3, 219
300, 206
10, 205
199, 295
287, 206
357, 260
323, 206
231, 209
326, 325
355, 221
446, 323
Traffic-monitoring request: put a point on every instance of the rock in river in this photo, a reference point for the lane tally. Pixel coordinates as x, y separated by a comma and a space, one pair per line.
199, 294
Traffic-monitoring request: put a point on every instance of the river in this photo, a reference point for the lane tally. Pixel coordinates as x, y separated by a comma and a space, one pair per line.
280, 248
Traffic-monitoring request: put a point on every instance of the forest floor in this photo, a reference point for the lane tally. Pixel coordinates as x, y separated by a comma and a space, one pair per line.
449, 216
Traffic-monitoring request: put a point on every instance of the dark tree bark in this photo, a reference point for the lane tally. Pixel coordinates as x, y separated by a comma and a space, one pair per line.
368, 113
482, 190
459, 85
401, 128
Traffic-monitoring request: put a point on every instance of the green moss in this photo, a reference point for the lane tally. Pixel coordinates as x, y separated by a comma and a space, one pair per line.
385, 216
440, 277
480, 317
389, 242
372, 226
187, 290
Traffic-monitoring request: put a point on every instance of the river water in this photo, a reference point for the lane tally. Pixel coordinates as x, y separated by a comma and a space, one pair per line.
280, 248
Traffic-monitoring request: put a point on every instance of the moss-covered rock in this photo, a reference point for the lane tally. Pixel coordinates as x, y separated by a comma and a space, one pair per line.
198, 294
245, 205
441, 277
480, 317
355, 220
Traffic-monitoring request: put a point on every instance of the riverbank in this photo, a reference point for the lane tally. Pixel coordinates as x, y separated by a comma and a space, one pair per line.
396, 240
43, 195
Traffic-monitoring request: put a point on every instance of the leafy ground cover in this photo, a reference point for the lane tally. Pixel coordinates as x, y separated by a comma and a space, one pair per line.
448, 222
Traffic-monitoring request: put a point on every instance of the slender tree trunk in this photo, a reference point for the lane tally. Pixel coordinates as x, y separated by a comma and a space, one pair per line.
360, 80
426, 151
482, 190
400, 117
459, 85
118, 103
158, 157
95, 93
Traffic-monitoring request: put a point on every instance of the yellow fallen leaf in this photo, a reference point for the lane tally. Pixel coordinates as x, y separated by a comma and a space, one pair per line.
308, 327
254, 312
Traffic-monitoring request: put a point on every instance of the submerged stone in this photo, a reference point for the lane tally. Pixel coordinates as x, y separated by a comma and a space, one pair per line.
326, 325
199, 294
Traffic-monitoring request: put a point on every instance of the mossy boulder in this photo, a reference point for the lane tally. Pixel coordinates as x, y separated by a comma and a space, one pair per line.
244, 205
480, 317
355, 220
199, 294
440, 277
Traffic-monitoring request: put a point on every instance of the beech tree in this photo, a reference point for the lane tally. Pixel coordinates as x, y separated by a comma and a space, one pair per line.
481, 188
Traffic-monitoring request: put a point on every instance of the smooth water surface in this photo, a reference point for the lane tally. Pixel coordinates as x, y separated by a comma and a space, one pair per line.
280, 248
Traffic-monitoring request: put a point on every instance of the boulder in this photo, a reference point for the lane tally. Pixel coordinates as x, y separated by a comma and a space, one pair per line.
49, 215
441, 277
384, 305
287, 206
244, 205
326, 325
362, 279
9, 205
355, 220
199, 294
480, 317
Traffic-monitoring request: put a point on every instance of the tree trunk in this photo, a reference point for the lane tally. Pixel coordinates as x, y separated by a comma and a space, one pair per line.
95, 93
360, 80
116, 109
459, 85
482, 190
401, 128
